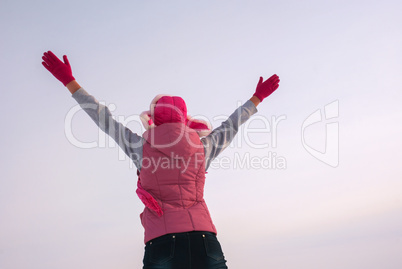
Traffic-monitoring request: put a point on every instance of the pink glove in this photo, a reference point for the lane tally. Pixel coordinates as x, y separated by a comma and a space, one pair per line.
264, 89
62, 71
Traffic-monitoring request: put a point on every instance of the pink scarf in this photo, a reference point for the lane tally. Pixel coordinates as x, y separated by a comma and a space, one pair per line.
147, 198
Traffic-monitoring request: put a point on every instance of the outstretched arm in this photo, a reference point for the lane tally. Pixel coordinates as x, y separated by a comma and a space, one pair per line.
221, 137
130, 142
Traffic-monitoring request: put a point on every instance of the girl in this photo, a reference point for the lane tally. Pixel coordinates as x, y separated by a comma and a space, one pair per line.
172, 157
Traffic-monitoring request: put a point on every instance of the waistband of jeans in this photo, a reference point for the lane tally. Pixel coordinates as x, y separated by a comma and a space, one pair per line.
179, 235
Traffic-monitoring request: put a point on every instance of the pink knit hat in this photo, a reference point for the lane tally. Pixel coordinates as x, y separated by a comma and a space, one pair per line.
167, 108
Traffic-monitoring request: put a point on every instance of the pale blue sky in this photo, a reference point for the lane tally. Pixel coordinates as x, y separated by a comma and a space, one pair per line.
67, 207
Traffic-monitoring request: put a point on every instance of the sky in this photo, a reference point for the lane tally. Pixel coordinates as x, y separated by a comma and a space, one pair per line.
312, 180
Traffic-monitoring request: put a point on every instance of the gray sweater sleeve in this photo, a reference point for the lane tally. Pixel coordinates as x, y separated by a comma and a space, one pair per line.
130, 142
222, 136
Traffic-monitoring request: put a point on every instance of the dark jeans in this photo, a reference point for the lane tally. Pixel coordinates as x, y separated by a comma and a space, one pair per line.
189, 250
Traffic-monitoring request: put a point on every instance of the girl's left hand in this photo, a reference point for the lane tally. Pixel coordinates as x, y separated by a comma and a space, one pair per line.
62, 71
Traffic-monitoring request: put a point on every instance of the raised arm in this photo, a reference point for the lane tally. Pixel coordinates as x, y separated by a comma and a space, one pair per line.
221, 137
130, 142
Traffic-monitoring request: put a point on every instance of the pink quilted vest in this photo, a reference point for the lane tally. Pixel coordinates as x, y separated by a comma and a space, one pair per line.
173, 173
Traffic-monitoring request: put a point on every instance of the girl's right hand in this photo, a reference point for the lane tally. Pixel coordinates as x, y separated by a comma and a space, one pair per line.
264, 89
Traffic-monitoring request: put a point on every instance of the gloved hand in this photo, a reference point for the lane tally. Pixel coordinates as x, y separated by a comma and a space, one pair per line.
62, 71
264, 89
